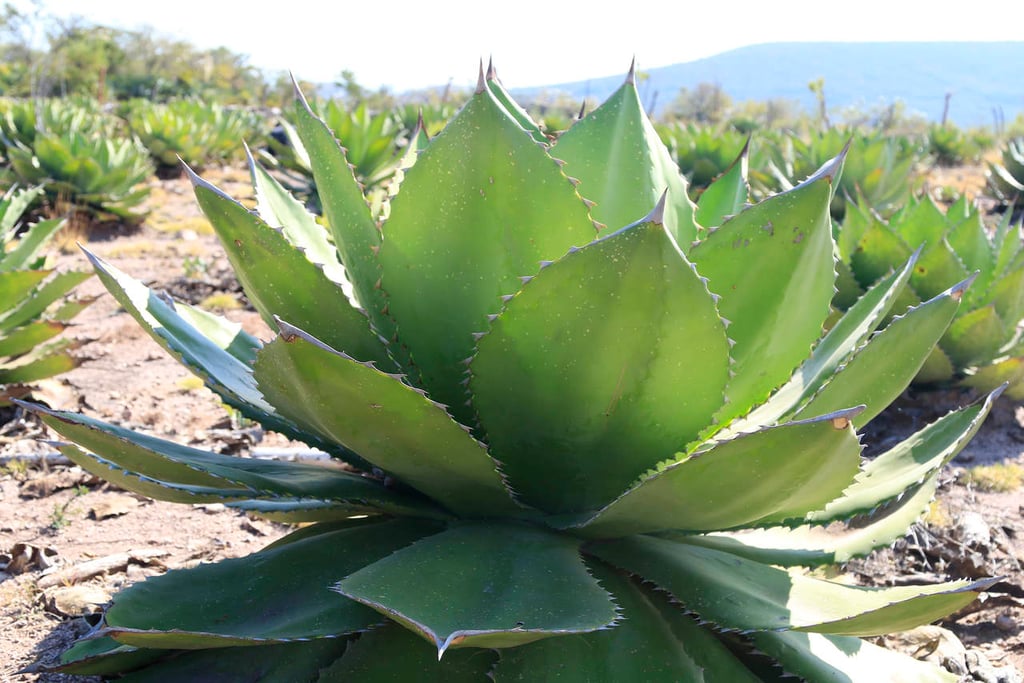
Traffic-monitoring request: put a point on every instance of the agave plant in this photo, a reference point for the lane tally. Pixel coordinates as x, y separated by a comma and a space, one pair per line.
85, 166
570, 463
983, 346
32, 307
1006, 179
880, 168
195, 132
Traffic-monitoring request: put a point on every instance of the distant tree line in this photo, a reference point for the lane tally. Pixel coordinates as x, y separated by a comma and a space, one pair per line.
47, 56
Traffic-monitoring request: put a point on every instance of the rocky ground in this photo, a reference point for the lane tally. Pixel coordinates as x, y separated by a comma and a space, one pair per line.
69, 541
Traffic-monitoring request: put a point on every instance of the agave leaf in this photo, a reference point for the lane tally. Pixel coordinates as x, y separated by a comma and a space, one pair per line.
280, 279
356, 235
303, 510
1007, 295
970, 242
936, 368
451, 253
148, 486
174, 464
279, 209
654, 643
937, 269
737, 593
390, 424
491, 585
103, 656
814, 545
393, 654
27, 337
42, 362
285, 663
845, 337
29, 244
922, 224
785, 471
631, 303
842, 659
974, 337
48, 291
225, 373
792, 235
887, 476
624, 166
868, 379
1007, 370
276, 595
726, 195
214, 348
879, 251
15, 286
521, 116
1006, 244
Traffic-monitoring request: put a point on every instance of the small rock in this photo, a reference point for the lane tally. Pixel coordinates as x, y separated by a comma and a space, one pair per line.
973, 530
932, 644
40, 487
1006, 623
74, 601
26, 557
113, 505
982, 670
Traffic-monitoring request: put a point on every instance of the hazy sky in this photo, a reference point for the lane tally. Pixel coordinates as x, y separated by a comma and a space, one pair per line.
405, 44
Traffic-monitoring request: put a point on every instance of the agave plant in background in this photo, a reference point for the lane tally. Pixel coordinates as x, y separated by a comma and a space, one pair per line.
373, 144
33, 308
1006, 180
594, 440
982, 347
194, 132
881, 169
88, 171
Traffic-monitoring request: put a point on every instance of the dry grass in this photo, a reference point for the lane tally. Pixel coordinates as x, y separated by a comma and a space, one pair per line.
1000, 477
222, 301
937, 515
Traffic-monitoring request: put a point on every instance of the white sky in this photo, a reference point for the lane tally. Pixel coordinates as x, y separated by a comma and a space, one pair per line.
407, 44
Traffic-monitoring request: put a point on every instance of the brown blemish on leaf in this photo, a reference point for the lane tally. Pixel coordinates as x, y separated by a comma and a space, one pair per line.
840, 422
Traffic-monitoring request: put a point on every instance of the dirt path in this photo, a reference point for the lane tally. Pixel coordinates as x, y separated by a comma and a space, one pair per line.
58, 516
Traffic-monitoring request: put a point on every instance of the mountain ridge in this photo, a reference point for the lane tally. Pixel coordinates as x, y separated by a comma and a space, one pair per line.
982, 77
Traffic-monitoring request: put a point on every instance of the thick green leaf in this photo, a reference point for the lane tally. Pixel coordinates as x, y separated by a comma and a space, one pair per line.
286, 663
842, 659
485, 585
654, 642
937, 269
737, 593
937, 368
279, 594
1006, 370
624, 167
760, 262
970, 242
281, 280
922, 224
223, 371
1007, 295
845, 337
15, 286
879, 251
44, 361
482, 207
390, 424
887, 476
170, 463
393, 654
632, 305
27, 337
356, 235
29, 245
814, 545
278, 209
727, 194
784, 472
49, 291
103, 656
974, 337
521, 116
884, 366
